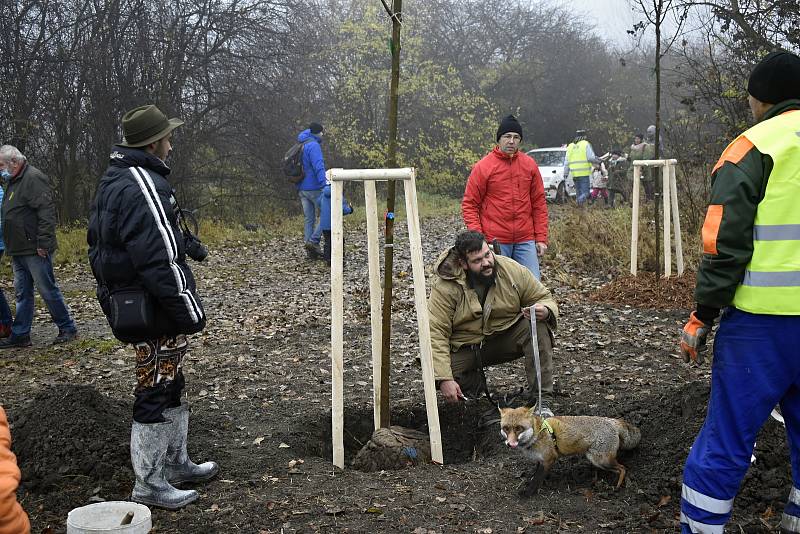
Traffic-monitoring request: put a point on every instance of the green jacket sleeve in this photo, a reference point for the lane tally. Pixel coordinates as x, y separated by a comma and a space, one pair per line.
441, 309
727, 248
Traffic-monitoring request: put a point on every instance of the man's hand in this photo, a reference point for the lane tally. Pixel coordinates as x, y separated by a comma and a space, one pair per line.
693, 340
541, 248
451, 391
42, 252
542, 312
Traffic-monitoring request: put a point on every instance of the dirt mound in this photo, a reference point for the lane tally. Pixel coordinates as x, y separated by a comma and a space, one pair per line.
70, 431
647, 291
469, 431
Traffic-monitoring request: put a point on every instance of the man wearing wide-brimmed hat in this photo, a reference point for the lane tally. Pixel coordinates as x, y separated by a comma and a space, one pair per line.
750, 271
147, 291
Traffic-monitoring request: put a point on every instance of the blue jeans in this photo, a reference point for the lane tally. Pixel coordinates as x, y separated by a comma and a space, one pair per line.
5, 311
310, 200
33, 269
581, 189
523, 253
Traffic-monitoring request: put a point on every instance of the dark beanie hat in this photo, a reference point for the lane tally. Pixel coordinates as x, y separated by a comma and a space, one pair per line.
509, 124
315, 127
776, 78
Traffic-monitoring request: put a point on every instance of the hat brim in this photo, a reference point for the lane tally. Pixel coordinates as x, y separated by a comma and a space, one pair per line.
172, 124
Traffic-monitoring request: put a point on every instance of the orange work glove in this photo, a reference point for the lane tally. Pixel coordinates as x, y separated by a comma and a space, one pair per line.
693, 339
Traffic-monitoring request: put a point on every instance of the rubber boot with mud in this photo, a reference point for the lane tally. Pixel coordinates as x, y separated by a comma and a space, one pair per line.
179, 468
149, 445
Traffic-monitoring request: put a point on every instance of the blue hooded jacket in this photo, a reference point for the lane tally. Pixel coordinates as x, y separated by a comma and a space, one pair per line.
313, 164
325, 208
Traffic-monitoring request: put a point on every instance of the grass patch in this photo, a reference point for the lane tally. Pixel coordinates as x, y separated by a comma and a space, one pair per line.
75, 349
72, 247
600, 239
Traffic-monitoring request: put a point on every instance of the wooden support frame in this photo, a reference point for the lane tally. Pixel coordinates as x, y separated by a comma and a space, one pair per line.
369, 177
670, 206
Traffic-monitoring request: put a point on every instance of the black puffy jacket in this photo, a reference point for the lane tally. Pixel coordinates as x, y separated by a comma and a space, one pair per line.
135, 241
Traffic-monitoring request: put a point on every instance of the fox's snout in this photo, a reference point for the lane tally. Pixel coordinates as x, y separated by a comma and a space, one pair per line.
512, 443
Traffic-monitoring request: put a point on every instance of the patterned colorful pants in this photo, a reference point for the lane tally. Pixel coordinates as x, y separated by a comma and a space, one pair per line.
159, 377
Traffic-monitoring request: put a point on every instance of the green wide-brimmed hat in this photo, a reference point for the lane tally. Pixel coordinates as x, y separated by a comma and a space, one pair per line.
145, 125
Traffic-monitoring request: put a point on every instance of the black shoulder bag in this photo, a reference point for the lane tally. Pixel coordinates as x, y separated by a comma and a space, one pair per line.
132, 313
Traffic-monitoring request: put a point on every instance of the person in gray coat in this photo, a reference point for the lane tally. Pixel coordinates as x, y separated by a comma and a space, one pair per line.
29, 232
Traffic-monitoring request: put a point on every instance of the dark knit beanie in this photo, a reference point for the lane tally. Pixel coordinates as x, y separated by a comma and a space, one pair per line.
315, 127
776, 78
509, 124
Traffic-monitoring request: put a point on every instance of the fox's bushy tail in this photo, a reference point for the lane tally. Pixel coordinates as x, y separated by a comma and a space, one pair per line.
629, 435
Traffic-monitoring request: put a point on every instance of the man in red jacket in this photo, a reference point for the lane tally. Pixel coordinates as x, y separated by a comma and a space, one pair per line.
505, 200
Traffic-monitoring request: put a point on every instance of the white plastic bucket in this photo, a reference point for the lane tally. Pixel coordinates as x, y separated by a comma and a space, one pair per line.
105, 517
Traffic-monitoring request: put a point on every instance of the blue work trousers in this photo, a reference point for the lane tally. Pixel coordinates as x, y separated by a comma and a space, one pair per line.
756, 366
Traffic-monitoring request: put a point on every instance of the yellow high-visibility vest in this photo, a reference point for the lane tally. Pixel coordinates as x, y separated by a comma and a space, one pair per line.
771, 283
576, 159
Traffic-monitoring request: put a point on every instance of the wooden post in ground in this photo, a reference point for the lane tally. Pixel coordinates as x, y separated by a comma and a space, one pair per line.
337, 325
373, 262
338, 176
669, 203
421, 303
637, 172
676, 219
666, 200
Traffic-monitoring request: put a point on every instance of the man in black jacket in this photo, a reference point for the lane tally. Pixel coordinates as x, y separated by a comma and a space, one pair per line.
29, 232
136, 247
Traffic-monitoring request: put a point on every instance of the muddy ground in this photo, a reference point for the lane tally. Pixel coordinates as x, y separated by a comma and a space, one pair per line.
259, 385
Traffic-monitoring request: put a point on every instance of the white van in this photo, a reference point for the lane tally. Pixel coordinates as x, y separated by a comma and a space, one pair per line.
551, 163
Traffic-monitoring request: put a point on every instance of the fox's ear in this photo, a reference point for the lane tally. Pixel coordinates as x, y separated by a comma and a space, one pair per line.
502, 410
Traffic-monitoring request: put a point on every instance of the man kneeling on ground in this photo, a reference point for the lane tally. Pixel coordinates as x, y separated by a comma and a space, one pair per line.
479, 316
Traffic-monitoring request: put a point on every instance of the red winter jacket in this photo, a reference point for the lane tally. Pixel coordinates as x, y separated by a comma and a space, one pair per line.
505, 200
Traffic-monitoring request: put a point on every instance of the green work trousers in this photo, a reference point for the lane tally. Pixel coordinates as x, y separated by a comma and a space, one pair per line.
502, 347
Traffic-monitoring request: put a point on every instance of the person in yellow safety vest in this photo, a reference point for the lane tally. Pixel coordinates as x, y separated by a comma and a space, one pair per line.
751, 270
580, 157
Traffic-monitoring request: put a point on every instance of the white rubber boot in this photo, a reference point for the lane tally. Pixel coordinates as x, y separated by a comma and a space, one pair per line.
149, 444
179, 468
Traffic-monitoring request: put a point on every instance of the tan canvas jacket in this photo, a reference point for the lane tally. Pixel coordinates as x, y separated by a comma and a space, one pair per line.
456, 316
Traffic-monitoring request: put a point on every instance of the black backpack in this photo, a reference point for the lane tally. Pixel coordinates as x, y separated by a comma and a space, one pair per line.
293, 163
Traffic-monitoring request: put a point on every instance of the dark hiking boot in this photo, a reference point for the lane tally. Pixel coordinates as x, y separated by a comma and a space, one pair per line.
13, 341
65, 336
314, 248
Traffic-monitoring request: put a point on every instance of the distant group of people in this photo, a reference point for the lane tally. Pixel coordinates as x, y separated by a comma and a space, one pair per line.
609, 176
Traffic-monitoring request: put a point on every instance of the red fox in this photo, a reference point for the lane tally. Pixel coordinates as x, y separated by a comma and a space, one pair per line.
544, 441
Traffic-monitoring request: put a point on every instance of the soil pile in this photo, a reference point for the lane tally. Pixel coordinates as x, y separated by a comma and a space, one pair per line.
647, 291
69, 431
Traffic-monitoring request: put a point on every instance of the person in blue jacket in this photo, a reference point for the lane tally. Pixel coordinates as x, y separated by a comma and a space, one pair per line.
310, 188
325, 218
5, 312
